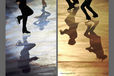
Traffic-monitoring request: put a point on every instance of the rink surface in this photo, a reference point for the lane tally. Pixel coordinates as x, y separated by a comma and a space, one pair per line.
75, 60
41, 43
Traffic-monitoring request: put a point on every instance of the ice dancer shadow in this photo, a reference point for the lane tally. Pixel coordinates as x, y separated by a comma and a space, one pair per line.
42, 19
72, 31
95, 41
24, 61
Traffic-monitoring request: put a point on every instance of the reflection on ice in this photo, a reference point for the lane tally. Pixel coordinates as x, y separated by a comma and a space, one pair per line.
72, 31
24, 61
95, 40
42, 19
39, 43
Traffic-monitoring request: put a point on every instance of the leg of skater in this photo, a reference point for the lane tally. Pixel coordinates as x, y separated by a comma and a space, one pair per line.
24, 29
84, 4
19, 18
26, 11
75, 2
70, 4
90, 9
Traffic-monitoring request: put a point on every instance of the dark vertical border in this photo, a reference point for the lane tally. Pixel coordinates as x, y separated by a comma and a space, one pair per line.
57, 36
2, 37
111, 37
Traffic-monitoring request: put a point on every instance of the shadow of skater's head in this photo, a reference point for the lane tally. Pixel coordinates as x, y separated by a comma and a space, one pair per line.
71, 41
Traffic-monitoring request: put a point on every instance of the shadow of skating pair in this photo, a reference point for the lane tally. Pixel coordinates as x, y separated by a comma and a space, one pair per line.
72, 31
95, 40
24, 60
42, 19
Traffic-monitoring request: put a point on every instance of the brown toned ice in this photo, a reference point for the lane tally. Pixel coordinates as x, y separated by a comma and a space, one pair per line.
75, 58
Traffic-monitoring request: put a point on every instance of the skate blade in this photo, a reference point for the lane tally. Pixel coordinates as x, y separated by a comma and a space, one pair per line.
25, 34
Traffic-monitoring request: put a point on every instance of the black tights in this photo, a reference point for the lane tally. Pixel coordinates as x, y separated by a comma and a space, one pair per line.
24, 22
26, 11
86, 4
70, 3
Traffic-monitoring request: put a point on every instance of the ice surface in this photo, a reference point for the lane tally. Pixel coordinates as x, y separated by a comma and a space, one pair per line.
43, 37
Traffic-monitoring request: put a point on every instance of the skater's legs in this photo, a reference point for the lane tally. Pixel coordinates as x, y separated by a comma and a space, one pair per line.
24, 24
26, 11
69, 3
75, 2
84, 4
24, 29
92, 11
19, 18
